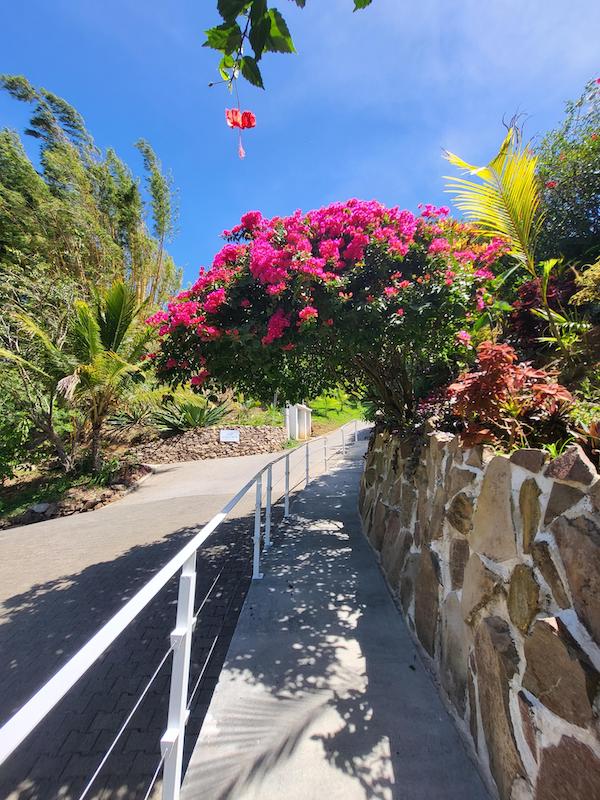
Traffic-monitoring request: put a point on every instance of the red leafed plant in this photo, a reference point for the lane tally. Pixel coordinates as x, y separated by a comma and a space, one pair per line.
506, 400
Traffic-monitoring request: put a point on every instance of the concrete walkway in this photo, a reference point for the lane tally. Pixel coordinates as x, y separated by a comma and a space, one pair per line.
322, 694
60, 580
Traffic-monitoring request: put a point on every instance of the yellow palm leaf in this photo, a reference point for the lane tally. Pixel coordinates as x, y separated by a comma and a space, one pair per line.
505, 201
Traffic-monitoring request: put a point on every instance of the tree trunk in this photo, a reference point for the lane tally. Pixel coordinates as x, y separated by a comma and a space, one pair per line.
96, 449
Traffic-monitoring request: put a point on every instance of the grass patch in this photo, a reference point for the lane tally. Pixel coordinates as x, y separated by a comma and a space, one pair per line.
332, 411
29, 488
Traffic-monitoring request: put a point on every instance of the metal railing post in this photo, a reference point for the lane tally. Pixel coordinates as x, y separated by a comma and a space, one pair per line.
343, 443
325, 452
256, 573
307, 464
268, 507
172, 741
286, 501
355, 431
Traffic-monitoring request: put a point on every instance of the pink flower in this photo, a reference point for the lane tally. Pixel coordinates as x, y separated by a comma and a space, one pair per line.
551, 184
390, 291
289, 346
329, 322
439, 246
171, 363
200, 378
404, 284
400, 312
464, 338
276, 327
245, 303
214, 301
307, 313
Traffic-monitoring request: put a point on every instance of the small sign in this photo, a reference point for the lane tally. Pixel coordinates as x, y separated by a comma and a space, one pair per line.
229, 436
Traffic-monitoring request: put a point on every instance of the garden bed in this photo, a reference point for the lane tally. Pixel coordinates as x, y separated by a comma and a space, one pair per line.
36, 497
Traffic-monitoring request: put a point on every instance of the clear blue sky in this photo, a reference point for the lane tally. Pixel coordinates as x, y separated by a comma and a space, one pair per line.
363, 110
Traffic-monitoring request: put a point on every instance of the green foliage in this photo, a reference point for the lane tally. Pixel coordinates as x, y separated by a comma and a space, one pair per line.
81, 218
88, 367
589, 285
251, 22
569, 171
176, 416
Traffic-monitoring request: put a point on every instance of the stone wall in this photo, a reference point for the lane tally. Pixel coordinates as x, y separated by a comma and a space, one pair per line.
204, 443
495, 563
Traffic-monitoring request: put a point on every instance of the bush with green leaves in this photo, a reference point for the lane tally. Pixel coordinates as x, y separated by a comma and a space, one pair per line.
568, 165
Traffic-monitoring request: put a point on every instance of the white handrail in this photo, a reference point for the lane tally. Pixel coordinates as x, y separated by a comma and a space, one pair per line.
26, 719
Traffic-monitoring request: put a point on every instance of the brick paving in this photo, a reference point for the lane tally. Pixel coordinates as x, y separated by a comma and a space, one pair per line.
57, 760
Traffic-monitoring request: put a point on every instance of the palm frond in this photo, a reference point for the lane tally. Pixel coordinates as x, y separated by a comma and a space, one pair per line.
86, 333
117, 309
505, 201
13, 358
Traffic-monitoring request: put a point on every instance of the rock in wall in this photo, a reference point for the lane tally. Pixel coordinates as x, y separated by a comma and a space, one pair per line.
495, 561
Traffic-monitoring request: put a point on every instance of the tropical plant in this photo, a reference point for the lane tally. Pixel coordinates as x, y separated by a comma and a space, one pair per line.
353, 294
88, 367
508, 401
176, 416
250, 25
568, 167
504, 201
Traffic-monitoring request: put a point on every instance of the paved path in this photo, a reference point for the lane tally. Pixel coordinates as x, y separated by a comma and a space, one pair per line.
322, 694
60, 580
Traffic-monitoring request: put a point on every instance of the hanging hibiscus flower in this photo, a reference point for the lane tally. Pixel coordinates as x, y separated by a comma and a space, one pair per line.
242, 120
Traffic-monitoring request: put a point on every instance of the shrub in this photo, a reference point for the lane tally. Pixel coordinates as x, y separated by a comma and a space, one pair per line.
508, 401
179, 416
354, 294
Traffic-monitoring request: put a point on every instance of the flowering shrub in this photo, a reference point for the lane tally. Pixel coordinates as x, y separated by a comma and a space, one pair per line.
352, 293
507, 400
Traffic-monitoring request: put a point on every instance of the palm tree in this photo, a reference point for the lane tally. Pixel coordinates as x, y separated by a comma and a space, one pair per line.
504, 201
92, 367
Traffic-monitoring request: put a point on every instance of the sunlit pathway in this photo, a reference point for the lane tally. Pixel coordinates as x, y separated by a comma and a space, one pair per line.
323, 694
60, 580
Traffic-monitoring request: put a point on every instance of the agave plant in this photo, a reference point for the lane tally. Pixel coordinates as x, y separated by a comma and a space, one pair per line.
177, 416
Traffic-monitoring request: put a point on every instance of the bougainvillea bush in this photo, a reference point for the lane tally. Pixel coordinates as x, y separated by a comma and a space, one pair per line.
353, 294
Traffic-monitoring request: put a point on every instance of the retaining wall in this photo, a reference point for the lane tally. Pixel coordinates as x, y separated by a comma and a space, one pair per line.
495, 563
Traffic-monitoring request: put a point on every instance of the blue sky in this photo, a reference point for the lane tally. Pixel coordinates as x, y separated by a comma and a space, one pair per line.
363, 110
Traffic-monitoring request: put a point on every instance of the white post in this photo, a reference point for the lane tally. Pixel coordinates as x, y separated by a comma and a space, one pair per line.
286, 502
268, 507
325, 451
343, 443
307, 463
355, 431
256, 573
171, 744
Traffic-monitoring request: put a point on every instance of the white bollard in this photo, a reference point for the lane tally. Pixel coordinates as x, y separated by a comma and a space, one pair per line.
307, 465
286, 502
268, 507
256, 573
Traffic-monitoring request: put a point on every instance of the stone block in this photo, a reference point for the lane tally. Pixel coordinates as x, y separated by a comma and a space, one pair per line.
562, 497
556, 677
493, 531
497, 661
460, 513
377, 530
528, 725
530, 459
459, 555
456, 641
578, 542
542, 558
480, 585
407, 580
427, 588
572, 465
458, 479
568, 771
531, 511
523, 597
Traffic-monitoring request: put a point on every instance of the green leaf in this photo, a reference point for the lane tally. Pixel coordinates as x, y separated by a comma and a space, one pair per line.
258, 35
279, 39
257, 10
226, 38
226, 63
231, 9
251, 72
358, 4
